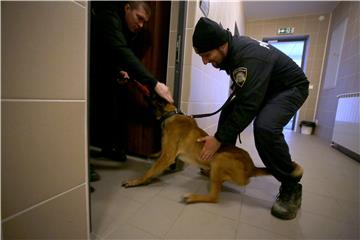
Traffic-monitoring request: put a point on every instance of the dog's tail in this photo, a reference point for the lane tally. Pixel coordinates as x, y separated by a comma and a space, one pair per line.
261, 172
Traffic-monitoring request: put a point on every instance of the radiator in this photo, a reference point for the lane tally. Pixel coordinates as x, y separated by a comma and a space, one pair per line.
346, 132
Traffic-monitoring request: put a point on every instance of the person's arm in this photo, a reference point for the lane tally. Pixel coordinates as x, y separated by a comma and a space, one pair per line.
124, 57
248, 102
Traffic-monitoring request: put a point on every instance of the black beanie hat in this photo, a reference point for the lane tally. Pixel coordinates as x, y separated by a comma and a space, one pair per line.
208, 35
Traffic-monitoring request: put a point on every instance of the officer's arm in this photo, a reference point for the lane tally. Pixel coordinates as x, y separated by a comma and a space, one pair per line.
248, 102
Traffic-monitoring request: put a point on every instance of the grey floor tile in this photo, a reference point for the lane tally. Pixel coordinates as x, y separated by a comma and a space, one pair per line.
157, 216
128, 231
195, 223
246, 231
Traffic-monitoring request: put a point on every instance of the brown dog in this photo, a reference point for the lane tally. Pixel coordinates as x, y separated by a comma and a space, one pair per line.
179, 137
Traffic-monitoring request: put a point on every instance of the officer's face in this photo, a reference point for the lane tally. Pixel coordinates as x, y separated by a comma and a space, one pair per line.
135, 18
215, 57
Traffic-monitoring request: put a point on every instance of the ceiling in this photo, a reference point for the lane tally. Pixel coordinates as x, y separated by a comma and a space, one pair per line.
259, 10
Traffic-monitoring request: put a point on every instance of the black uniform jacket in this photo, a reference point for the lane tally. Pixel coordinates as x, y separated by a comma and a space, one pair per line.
115, 46
260, 71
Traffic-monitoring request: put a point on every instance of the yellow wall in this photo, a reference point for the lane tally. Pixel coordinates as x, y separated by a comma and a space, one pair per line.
304, 25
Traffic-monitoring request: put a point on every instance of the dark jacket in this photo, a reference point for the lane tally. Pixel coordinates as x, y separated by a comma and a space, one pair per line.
114, 46
260, 71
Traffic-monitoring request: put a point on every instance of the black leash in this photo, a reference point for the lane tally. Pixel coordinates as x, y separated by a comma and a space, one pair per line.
221, 108
232, 95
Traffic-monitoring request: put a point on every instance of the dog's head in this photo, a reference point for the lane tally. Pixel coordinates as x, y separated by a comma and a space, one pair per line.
162, 108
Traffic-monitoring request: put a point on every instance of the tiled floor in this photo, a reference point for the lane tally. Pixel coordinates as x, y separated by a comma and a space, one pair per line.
330, 206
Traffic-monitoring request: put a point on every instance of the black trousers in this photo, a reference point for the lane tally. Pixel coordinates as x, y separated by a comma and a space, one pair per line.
108, 118
268, 127
117, 128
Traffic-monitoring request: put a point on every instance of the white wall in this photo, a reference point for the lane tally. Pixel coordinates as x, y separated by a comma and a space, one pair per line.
204, 88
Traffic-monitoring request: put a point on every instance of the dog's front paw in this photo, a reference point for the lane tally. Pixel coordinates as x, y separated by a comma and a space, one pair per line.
188, 198
125, 184
130, 183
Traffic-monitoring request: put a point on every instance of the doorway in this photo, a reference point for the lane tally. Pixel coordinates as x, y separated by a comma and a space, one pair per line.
295, 48
143, 131
142, 136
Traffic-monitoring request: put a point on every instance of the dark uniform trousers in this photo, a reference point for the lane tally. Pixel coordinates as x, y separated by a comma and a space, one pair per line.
275, 113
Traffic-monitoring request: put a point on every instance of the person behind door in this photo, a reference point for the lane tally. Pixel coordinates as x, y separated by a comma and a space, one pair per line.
270, 89
118, 40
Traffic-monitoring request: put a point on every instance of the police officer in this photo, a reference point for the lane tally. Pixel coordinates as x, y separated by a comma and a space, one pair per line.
270, 89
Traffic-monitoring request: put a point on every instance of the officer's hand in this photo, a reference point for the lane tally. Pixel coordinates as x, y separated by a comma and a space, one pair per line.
163, 91
211, 145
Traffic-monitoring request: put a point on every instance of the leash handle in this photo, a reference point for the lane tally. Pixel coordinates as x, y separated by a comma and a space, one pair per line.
142, 88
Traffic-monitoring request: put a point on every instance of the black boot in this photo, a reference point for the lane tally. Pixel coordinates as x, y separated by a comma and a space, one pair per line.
287, 202
115, 154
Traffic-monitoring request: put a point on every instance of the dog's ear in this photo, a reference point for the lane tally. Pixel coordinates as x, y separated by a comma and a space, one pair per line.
156, 99
153, 98
153, 95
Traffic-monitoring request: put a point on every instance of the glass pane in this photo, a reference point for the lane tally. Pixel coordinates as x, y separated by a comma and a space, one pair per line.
292, 49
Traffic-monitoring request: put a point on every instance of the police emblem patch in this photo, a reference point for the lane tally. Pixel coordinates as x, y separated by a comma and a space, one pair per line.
239, 76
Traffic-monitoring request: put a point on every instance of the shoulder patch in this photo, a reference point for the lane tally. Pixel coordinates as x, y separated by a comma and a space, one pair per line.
240, 75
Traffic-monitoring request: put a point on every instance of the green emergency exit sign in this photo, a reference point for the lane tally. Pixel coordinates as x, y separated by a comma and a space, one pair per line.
285, 31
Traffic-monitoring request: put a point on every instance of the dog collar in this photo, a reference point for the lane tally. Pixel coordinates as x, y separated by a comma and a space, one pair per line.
170, 114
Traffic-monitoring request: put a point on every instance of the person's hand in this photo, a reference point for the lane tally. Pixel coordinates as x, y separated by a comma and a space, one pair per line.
124, 77
211, 145
163, 91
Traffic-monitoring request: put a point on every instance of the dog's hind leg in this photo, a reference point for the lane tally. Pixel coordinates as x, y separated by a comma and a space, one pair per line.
212, 197
166, 159
216, 182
